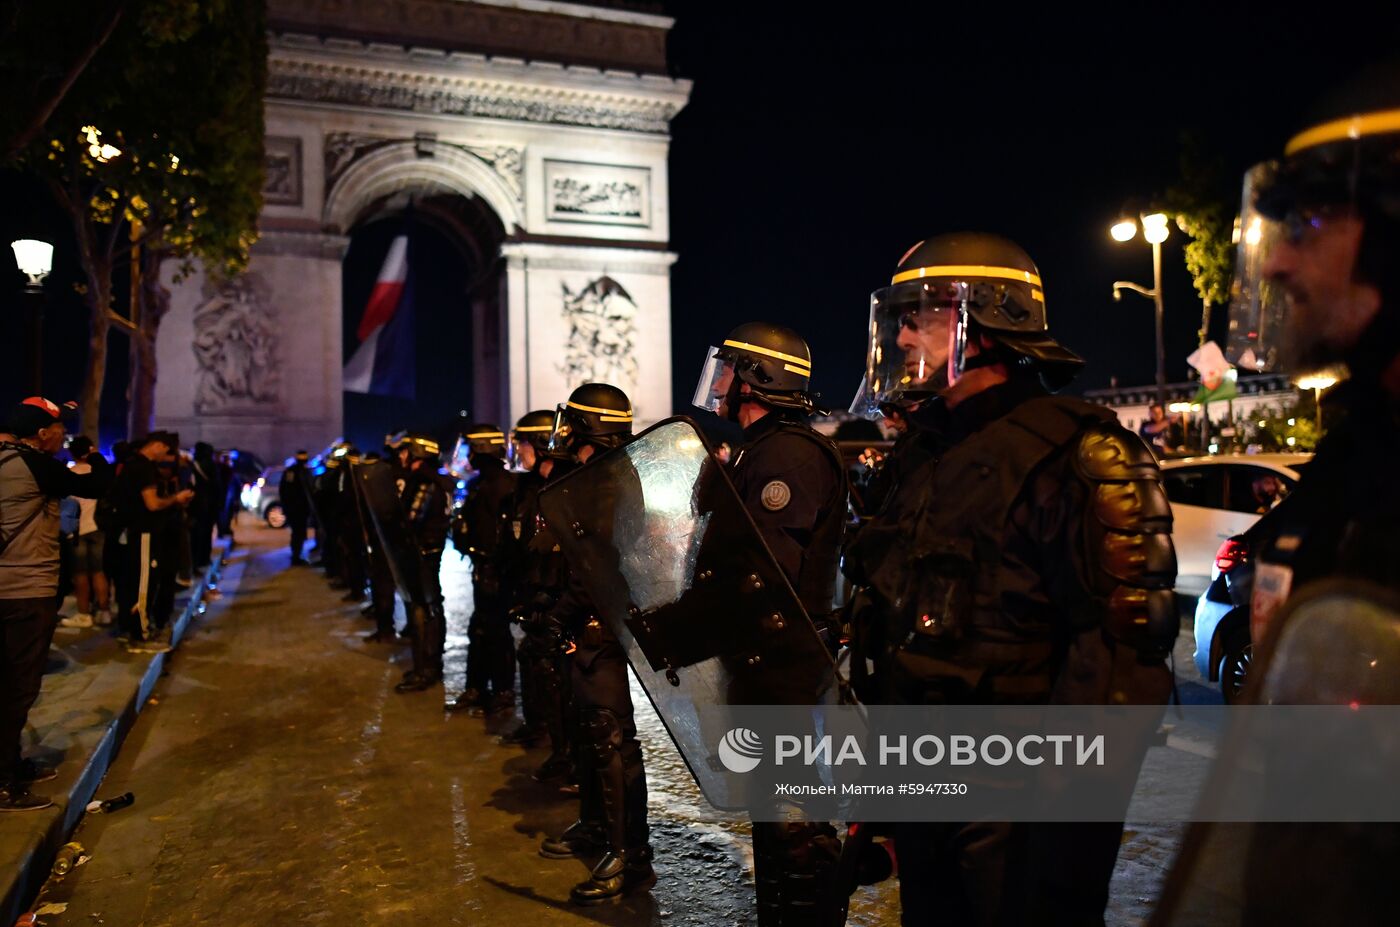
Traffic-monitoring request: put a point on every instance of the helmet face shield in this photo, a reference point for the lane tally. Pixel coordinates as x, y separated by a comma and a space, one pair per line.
1259, 310
918, 336
716, 378
561, 435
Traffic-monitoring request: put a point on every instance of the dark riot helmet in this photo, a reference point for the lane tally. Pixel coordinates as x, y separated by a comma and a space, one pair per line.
773, 360
946, 292
596, 413
421, 447
534, 429
1340, 175
486, 438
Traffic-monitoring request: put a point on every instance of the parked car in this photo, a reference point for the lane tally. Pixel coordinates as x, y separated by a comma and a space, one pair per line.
261, 497
1217, 498
1224, 641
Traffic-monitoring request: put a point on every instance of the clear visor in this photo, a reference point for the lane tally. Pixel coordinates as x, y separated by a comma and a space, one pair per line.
918, 334
864, 405
459, 465
1258, 308
560, 434
716, 376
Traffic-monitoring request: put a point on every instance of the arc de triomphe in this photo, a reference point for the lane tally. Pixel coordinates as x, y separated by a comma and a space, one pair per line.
535, 133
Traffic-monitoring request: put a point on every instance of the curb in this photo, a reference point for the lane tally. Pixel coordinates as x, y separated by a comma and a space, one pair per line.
32, 868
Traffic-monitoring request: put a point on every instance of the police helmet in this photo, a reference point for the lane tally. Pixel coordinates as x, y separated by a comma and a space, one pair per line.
773, 360
486, 438
421, 447
948, 291
1343, 168
596, 413
534, 429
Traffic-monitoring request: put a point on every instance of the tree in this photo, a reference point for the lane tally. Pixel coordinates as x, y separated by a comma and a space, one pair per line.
1201, 202
44, 47
155, 153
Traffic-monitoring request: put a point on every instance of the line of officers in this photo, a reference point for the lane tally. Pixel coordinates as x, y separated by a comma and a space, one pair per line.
1018, 550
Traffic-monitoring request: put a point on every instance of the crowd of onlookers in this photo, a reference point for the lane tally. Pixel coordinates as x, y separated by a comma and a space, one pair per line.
121, 535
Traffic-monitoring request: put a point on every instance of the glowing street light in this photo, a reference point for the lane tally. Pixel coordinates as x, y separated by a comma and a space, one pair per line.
1317, 382
35, 259
1154, 231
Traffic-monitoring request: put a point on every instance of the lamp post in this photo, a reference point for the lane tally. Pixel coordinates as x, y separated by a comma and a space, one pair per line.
1154, 231
35, 260
1317, 382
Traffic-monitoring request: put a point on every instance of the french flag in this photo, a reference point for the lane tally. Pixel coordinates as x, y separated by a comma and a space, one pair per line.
383, 363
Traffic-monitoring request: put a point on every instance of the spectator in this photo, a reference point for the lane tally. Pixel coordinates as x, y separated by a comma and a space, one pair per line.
210, 491
1158, 431
32, 483
141, 514
176, 540
90, 586
228, 510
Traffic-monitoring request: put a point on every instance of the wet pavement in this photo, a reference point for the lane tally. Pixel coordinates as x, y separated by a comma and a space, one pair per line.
280, 780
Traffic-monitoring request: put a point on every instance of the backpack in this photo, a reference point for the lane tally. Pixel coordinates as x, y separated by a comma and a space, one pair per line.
112, 513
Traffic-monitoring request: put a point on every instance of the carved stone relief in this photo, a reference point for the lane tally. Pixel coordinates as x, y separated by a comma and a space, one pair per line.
282, 160
345, 148
236, 345
601, 344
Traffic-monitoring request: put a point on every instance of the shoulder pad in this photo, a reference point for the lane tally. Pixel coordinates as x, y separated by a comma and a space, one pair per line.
1108, 451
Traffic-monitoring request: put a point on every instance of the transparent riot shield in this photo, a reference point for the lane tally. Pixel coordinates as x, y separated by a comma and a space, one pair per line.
1336, 644
379, 490
678, 571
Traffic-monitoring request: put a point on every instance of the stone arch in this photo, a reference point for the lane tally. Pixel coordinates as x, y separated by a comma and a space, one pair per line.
398, 167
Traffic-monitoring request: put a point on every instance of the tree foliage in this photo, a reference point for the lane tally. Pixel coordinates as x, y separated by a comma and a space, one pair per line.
176, 96
1202, 204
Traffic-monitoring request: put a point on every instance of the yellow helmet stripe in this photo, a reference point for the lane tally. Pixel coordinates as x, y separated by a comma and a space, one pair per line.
769, 352
534, 428
484, 435
1353, 127
968, 270
616, 416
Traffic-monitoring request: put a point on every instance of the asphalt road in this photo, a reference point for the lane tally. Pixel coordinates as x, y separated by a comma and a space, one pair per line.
280, 780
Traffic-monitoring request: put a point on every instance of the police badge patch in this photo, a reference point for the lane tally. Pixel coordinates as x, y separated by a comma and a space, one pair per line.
776, 495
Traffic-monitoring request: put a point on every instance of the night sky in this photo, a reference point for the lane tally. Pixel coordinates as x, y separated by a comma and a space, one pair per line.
822, 141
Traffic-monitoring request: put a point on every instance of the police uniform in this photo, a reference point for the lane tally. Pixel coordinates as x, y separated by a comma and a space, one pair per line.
1025, 558
793, 483
612, 777
478, 530
293, 492
427, 500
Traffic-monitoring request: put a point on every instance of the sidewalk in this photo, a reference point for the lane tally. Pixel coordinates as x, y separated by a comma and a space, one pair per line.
92, 693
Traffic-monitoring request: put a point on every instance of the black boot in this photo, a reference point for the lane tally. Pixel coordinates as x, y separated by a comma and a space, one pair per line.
418, 682
617, 874
556, 767
522, 736
580, 839
501, 702
470, 698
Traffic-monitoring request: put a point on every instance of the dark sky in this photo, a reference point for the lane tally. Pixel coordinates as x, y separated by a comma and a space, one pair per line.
821, 141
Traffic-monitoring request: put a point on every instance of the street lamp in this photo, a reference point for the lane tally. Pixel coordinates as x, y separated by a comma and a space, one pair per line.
1154, 232
1317, 382
35, 260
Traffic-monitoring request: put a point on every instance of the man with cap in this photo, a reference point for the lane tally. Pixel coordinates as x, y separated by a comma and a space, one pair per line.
141, 512
296, 505
32, 484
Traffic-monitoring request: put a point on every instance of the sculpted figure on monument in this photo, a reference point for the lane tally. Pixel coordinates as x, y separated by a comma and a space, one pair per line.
235, 343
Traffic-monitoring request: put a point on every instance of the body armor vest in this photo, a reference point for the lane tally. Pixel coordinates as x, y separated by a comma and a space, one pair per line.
949, 623
815, 583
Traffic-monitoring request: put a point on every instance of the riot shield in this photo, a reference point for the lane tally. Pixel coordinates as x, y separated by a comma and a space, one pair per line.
678, 571
1336, 644
380, 492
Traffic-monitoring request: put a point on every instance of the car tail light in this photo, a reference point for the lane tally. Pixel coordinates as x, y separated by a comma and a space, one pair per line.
1231, 554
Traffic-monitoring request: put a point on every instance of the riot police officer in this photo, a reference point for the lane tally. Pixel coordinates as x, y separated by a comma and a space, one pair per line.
1025, 559
380, 606
353, 536
793, 482
612, 778
292, 492
1317, 286
537, 655
427, 501
477, 533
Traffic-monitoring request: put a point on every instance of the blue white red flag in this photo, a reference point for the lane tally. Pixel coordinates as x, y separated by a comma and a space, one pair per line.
383, 364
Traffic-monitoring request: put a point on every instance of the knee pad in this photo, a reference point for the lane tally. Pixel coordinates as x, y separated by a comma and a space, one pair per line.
600, 737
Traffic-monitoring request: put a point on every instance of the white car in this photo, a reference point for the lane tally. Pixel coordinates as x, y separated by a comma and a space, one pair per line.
1215, 498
